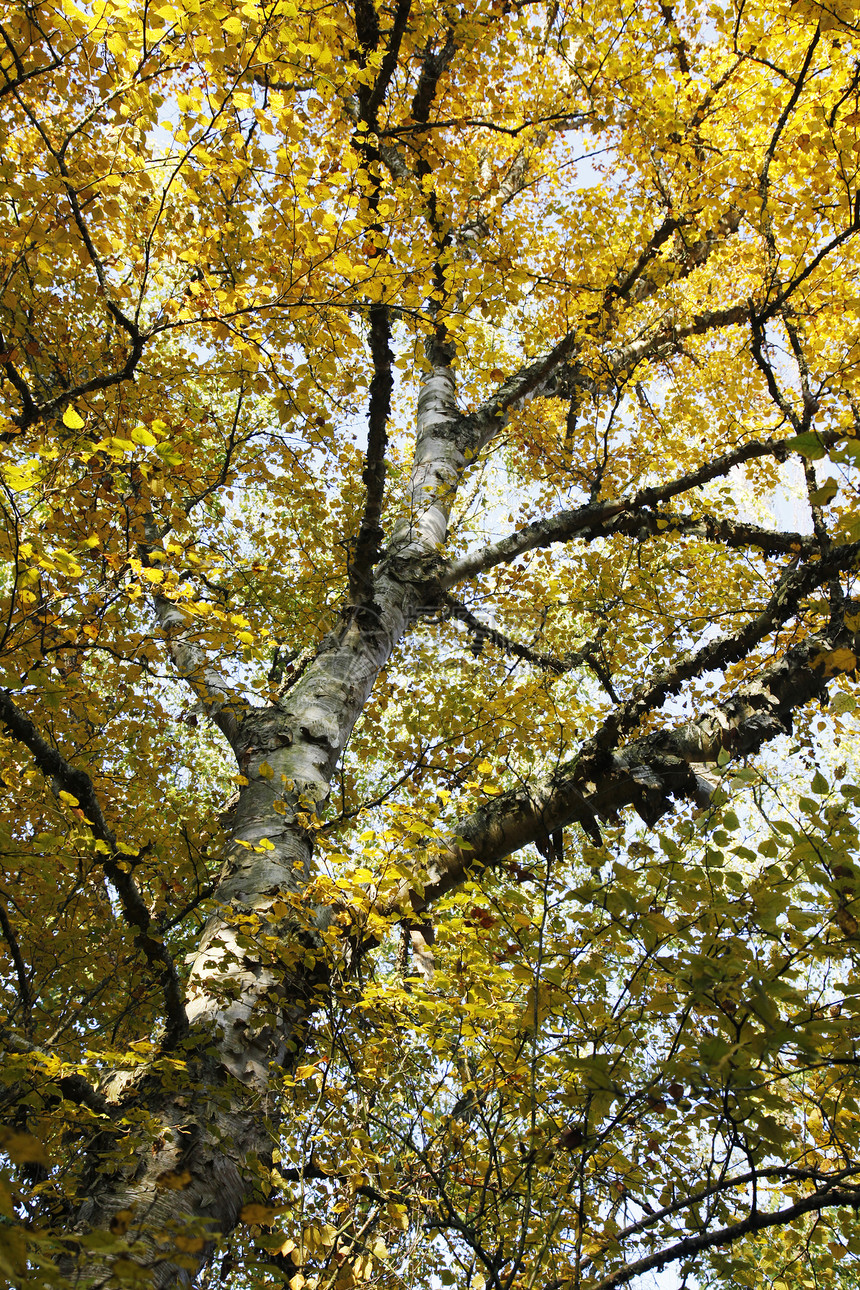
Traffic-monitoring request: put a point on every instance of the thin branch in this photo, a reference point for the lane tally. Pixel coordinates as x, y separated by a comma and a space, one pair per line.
115, 863
214, 693
757, 349
74, 1087
537, 378
547, 662
573, 120
18, 963
620, 290
756, 1221
712, 528
779, 1173
596, 520
784, 115
774, 306
127, 324
22, 75
792, 587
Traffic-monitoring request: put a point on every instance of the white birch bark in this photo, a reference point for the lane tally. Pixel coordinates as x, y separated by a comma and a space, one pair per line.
253, 978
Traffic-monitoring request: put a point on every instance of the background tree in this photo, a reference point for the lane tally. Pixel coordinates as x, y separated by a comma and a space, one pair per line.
428, 495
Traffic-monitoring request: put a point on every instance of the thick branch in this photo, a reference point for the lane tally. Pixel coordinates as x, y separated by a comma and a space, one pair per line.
366, 25
648, 772
376, 96
437, 467
433, 66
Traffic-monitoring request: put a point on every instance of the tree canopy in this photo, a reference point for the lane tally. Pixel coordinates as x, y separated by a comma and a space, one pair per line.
428, 542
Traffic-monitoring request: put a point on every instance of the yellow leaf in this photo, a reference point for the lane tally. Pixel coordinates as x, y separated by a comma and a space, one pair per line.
191, 1244
23, 1148
66, 562
128, 1272
837, 660
399, 1215
72, 420
141, 435
68, 798
257, 1213
119, 1224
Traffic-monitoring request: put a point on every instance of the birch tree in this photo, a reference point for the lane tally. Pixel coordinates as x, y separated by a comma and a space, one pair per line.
429, 539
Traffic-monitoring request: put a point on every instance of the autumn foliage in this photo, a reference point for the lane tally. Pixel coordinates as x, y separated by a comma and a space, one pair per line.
429, 534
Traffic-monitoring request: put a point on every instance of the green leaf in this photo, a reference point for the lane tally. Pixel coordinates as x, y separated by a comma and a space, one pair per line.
808, 445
